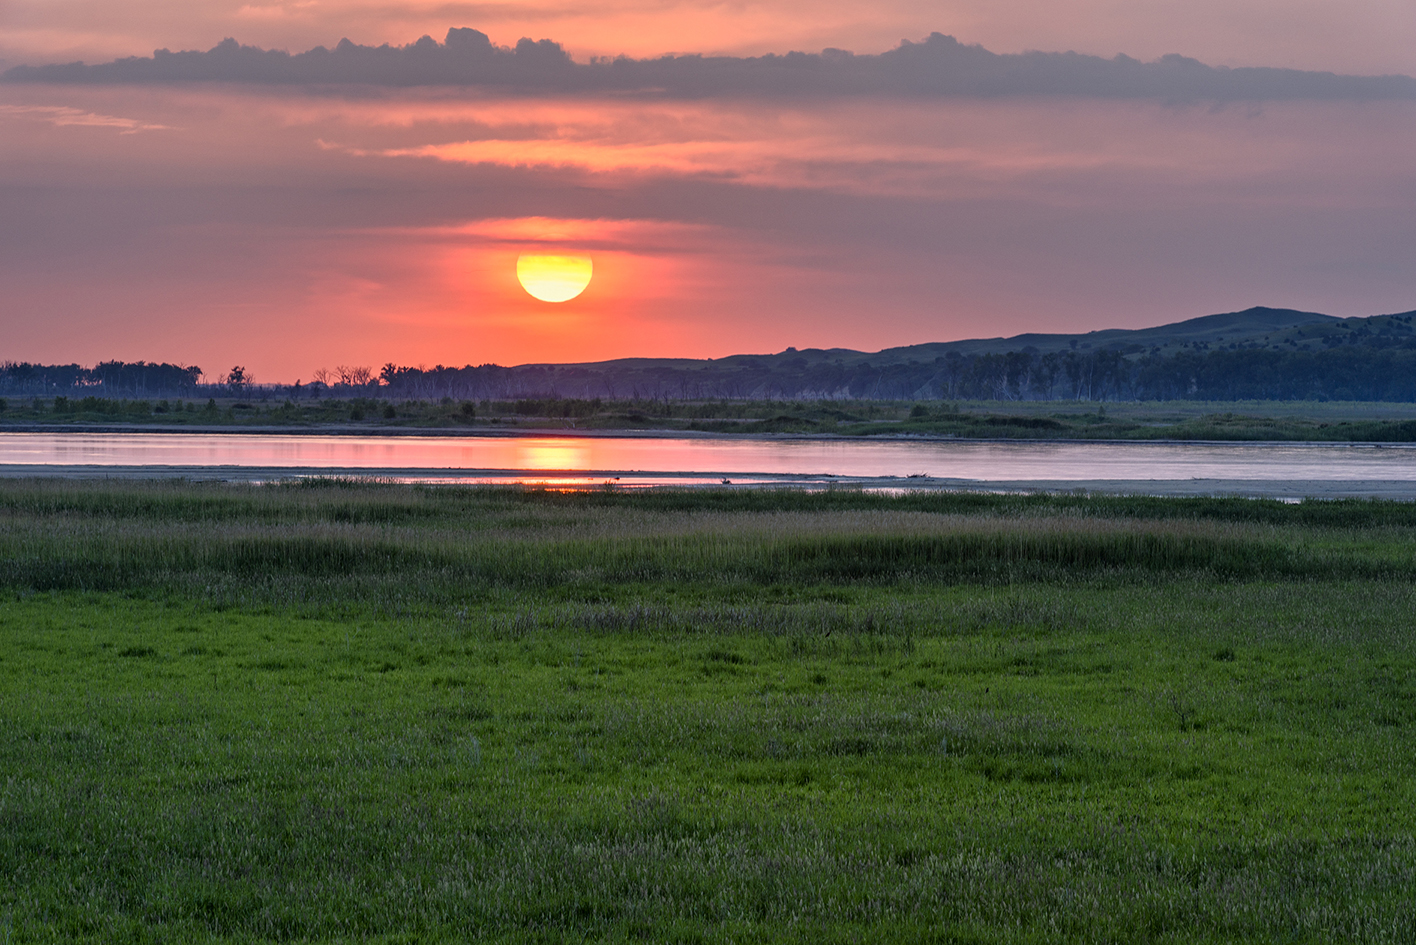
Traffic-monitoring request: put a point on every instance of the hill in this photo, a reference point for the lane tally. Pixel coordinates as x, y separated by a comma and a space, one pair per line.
1271, 328
1259, 353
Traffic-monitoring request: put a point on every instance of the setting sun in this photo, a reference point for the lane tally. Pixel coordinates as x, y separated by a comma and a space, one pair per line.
554, 278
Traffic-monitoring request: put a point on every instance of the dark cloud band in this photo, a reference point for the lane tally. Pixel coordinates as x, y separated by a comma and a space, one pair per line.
938, 66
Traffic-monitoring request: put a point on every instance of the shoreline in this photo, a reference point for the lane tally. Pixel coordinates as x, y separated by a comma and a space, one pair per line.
629, 480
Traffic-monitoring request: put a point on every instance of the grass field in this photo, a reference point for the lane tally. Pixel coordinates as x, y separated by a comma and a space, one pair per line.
339, 712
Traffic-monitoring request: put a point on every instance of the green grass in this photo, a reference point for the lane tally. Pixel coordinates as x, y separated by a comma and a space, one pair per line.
339, 712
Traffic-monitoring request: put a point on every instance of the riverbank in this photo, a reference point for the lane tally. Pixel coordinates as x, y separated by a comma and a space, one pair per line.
1183, 421
1316, 489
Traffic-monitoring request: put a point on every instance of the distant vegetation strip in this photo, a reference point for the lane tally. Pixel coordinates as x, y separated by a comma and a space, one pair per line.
1335, 423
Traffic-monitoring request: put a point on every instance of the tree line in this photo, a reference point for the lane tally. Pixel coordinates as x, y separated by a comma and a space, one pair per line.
1338, 373
1369, 368
111, 378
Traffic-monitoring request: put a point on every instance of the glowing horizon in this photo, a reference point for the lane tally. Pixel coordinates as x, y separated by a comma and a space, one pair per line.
261, 224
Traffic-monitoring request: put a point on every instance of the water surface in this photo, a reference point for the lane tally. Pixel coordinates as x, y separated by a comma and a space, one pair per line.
547, 458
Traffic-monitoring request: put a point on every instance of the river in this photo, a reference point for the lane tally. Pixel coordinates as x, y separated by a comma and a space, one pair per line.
561, 460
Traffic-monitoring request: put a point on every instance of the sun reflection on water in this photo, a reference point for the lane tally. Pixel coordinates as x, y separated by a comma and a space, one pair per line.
552, 454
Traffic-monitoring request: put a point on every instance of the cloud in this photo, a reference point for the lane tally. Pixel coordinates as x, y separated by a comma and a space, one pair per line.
62, 115
846, 147
938, 66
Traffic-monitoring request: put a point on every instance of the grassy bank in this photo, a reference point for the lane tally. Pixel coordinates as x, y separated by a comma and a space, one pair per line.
1296, 421
335, 712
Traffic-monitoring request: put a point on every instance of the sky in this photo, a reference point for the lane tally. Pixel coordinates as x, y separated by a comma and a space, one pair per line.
357, 206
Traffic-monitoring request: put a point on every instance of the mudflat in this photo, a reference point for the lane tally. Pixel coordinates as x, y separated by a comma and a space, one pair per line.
1395, 490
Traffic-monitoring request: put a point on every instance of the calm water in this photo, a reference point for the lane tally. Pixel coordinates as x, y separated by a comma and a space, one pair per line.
562, 458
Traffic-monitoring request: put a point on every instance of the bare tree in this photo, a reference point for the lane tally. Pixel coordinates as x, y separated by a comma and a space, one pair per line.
322, 376
354, 376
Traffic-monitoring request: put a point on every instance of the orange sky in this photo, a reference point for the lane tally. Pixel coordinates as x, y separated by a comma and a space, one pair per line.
286, 228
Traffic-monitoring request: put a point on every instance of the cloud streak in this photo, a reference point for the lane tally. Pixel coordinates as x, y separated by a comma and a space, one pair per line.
939, 66
61, 116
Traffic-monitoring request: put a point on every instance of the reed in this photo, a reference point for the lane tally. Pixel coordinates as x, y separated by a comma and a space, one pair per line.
410, 547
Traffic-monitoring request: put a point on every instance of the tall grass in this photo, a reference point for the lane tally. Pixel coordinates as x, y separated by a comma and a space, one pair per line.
408, 547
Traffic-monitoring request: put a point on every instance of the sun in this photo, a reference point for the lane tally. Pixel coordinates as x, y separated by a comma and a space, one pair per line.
554, 278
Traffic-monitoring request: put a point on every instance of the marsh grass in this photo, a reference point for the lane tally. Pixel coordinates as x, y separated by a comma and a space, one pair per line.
349, 712
408, 548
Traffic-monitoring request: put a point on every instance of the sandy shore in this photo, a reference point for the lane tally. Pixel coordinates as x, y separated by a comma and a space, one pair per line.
1252, 488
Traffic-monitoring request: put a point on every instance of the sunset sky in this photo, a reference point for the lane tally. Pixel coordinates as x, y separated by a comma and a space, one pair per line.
357, 207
